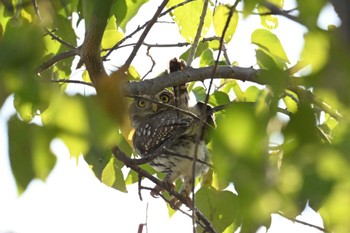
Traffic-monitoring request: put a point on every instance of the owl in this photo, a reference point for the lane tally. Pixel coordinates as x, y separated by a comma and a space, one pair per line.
159, 126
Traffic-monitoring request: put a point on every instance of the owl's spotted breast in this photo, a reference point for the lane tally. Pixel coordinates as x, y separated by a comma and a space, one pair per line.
161, 127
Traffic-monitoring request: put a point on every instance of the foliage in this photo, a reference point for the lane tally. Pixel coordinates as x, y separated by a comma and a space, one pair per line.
309, 163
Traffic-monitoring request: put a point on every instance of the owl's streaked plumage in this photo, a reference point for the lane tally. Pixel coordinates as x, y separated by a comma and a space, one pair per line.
157, 126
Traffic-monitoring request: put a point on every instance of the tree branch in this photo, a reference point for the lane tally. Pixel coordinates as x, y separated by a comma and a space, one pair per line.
57, 58
277, 11
198, 34
141, 27
152, 86
90, 49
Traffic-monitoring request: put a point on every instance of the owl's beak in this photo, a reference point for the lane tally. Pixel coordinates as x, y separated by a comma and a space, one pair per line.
154, 107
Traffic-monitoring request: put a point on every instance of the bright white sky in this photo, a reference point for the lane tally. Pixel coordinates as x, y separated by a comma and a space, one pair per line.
73, 200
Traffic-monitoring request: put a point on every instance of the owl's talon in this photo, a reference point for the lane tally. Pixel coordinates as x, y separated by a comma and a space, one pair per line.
156, 191
176, 203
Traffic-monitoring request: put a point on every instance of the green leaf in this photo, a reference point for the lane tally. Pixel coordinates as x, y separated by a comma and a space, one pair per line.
270, 44
98, 158
207, 58
30, 154
220, 207
309, 11
113, 176
21, 57
125, 10
291, 104
220, 19
187, 18
219, 98
316, 50
111, 35
200, 93
65, 30
201, 47
249, 6
81, 123
264, 60
268, 21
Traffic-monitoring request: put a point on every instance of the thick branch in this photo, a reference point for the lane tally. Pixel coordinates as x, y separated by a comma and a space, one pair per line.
189, 75
90, 50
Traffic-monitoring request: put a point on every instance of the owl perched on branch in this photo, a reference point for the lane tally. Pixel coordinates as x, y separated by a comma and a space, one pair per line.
162, 121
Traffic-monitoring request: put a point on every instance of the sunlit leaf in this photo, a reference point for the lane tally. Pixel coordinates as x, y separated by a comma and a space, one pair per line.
249, 6
125, 10
268, 20
316, 50
187, 18
207, 58
290, 102
220, 20
111, 35
270, 44
221, 207
30, 154
113, 177
309, 11
201, 47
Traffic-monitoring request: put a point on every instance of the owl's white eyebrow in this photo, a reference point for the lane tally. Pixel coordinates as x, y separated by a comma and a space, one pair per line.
166, 105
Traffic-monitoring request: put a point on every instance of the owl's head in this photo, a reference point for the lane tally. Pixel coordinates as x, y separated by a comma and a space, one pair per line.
140, 109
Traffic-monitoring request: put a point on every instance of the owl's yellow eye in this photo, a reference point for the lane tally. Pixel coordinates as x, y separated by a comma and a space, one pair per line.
164, 98
141, 103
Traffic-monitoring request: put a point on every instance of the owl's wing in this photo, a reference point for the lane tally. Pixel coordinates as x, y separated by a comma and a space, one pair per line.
158, 131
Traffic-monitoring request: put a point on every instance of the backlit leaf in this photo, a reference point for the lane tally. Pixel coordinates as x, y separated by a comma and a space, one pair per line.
30, 154
187, 18
316, 50
220, 20
111, 35
125, 10
270, 44
220, 207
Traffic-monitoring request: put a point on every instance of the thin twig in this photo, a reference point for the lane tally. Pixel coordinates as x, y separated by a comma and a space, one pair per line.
152, 60
70, 81
198, 34
176, 6
277, 11
143, 36
53, 36
139, 28
57, 58
302, 222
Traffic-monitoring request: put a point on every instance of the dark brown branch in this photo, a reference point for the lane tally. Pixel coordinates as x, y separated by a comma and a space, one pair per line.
277, 11
90, 49
131, 57
71, 81
57, 58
